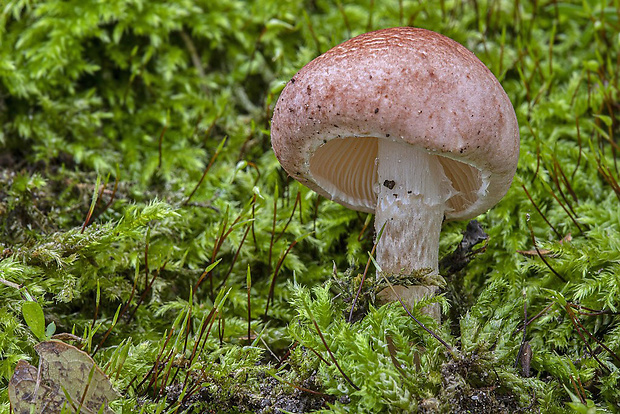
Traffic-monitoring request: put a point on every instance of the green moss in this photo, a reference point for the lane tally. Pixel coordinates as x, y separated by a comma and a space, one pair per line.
154, 117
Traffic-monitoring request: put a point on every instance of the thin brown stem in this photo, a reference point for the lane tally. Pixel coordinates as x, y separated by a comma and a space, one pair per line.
359, 290
204, 174
333, 358
540, 212
542, 257
161, 140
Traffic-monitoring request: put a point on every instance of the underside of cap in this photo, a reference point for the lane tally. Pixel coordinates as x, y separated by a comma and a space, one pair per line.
404, 85
354, 183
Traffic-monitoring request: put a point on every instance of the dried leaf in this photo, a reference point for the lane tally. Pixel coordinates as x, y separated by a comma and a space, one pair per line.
66, 377
392, 350
544, 252
534, 253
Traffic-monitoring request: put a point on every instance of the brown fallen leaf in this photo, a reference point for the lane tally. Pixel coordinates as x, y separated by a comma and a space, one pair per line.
544, 252
534, 253
66, 377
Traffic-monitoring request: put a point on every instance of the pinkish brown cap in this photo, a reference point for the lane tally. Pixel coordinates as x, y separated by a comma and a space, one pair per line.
401, 84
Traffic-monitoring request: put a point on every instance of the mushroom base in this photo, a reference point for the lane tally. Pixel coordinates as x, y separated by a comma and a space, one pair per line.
411, 201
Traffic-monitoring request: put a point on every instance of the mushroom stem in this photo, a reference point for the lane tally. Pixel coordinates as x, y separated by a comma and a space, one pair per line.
412, 195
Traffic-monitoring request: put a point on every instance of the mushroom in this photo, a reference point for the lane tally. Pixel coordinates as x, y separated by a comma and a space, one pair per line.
409, 125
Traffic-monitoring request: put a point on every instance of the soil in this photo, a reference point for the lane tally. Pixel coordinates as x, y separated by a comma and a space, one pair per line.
272, 398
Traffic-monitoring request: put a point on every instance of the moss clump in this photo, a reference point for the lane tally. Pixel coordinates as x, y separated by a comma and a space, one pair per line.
141, 206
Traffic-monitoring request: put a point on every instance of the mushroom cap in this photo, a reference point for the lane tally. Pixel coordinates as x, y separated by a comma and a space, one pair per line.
403, 84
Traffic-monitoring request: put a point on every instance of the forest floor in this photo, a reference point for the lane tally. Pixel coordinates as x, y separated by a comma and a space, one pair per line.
146, 223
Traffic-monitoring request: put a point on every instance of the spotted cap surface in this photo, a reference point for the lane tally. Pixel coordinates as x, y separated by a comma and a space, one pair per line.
404, 84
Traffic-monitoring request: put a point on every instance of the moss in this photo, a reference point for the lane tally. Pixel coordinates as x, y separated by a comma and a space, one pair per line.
137, 187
